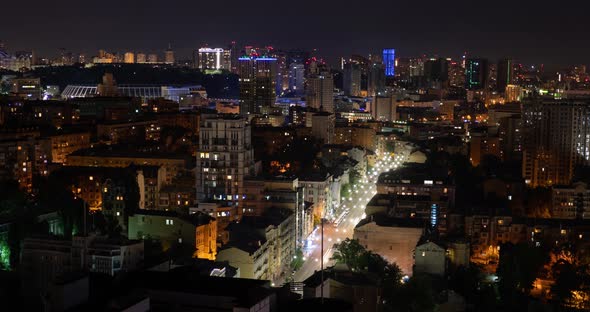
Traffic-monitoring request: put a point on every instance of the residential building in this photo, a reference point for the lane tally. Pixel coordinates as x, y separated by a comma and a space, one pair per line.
339, 282
197, 230
556, 139
317, 191
224, 159
322, 126
120, 156
571, 202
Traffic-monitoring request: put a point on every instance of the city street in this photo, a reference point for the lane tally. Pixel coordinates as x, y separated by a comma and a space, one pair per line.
343, 226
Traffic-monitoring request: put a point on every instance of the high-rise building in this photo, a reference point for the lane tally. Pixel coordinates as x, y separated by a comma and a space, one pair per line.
234, 53
556, 139
224, 158
513, 93
169, 55
257, 84
214, 59
476, 74
129, 57
505, 73
283, 73
389, 62
320, 92
416, 67
140, 58
376, 79
456, 74
352, 79
436, 72
296, 78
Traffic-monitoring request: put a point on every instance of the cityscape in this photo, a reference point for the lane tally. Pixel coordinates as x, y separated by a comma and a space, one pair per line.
248, 176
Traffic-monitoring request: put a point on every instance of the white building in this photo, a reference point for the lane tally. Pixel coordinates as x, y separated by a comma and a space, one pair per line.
317, 191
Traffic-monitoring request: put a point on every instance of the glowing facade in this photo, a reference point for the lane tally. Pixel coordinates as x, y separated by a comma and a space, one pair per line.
389, 61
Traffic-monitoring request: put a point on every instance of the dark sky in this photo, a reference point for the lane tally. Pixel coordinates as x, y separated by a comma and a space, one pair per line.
534, 32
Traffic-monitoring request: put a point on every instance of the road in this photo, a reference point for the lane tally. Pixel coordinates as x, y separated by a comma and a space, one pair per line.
343, 227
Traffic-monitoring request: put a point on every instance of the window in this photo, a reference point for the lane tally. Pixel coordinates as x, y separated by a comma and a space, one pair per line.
118, 213
169, 222
424, 254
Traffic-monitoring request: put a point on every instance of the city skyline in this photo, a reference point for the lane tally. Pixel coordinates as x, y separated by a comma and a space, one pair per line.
412, 29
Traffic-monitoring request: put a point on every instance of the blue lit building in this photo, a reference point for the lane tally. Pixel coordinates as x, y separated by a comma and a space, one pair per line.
389, 61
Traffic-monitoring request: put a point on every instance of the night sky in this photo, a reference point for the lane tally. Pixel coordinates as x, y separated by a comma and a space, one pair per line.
530, 31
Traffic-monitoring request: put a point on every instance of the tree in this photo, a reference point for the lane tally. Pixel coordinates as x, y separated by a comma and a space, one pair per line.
518, 268
349, 252
108, 225
417, 295
297, 261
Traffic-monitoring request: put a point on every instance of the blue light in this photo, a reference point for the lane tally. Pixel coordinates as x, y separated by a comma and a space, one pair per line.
389, 61
433, 215
257, 58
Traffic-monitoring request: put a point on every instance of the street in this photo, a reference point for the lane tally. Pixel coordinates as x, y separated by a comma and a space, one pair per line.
343, 226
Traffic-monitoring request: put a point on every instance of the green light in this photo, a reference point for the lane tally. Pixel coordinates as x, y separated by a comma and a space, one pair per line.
4, 254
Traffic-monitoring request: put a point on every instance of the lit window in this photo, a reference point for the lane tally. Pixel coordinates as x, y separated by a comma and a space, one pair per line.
229, 177
118, 213
424, 254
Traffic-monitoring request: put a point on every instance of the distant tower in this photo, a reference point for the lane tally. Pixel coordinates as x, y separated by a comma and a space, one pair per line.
389, 62
169, 55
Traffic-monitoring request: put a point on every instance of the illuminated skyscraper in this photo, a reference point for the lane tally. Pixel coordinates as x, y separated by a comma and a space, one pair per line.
505, 74
476, 74
257, 84
296, 78
214, 59
389, 62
